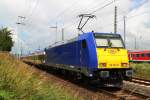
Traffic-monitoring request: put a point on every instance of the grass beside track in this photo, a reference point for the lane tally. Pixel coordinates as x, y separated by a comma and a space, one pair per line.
141, 70
20, 81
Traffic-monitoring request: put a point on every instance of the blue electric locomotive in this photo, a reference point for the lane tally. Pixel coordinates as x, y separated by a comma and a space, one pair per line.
100, 56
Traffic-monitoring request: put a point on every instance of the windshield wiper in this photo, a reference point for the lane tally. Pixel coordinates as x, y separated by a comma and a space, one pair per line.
118, 49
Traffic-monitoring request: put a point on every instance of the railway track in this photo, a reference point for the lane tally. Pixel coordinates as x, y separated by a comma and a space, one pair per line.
124, 94
141, 81
113, 93
116, 94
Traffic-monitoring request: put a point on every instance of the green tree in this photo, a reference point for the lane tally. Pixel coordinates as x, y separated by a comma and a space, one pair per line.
6, 42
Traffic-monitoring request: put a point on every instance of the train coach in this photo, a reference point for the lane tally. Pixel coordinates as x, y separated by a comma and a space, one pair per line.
97, 56
37, 57
139, 56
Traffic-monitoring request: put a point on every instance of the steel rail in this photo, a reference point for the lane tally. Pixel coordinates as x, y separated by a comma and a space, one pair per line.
141, 81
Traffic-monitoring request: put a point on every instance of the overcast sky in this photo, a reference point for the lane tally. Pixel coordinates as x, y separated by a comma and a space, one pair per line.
40, 15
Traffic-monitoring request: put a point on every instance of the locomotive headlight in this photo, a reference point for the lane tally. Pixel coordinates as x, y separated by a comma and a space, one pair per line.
102, 64
104, 74
124, 64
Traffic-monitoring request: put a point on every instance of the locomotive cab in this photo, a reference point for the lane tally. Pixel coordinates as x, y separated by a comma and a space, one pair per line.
112, 58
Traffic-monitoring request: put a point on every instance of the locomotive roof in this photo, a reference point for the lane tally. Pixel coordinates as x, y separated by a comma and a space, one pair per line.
81, 36
107, 35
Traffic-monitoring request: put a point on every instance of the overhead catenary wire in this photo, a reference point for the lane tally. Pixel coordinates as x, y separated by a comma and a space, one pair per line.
102, 7
140, 14
73, 4
128, 18
61, 12
97, 4
32, 10
91, 6
29, 20
28, 6
30, 14
69, 7
98, 9
65, 10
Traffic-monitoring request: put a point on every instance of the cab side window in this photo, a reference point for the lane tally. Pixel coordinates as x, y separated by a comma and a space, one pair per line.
84, 44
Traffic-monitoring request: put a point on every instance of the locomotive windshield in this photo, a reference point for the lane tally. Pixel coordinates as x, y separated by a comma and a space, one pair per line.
116, 43
112, 40
101, 42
